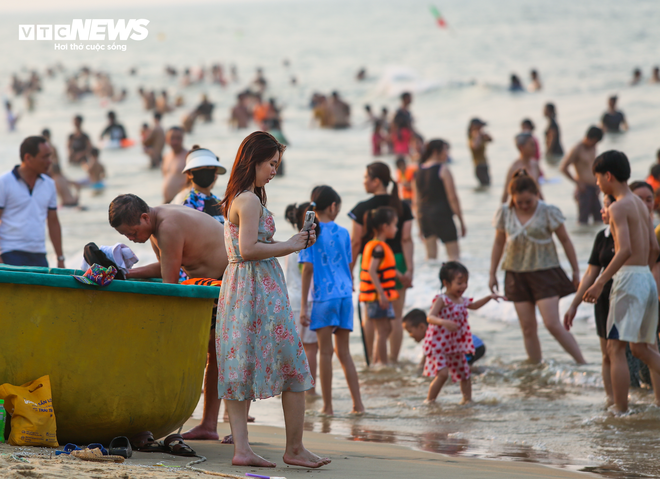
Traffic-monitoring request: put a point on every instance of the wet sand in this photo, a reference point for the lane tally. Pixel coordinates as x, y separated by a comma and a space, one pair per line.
350, 459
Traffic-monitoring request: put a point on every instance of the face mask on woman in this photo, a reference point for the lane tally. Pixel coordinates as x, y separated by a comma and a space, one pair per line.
204, 178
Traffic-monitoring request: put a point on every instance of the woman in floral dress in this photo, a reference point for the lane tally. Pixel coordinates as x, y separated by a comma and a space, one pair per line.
260, 354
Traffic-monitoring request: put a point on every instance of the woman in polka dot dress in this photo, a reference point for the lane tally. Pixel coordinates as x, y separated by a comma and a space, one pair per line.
448, 338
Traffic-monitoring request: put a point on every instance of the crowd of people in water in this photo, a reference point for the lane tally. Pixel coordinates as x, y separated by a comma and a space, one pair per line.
276, 330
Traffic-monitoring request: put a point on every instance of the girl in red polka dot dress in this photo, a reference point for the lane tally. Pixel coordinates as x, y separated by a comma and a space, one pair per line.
448, 338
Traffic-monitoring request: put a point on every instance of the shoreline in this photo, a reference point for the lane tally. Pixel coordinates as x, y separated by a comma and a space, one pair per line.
361, 460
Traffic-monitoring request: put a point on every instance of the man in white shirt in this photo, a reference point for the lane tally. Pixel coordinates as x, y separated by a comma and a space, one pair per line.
28, 199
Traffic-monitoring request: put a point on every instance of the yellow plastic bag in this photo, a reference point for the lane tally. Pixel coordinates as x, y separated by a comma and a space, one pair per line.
32, 416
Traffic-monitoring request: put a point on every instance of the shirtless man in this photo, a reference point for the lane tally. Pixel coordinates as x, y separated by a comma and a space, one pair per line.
155, 142
63, 186
173, 164
527, 148
633, 316
181, 238
582, 157
185, 238
240, 115
340, 112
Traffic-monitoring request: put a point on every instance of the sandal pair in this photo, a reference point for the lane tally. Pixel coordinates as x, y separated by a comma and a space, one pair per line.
173, 444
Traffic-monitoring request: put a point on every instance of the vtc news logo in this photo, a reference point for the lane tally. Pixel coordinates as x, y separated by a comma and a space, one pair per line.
89, 29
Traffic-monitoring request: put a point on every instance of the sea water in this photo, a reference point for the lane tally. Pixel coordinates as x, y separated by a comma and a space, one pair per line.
584, 51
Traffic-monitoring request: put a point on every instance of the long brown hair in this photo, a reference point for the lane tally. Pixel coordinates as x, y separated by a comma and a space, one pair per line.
431, 147
256, 148
381, 171
520, 183
375, 219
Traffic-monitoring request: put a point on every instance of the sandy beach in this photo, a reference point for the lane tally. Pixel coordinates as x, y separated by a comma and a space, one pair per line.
359, 460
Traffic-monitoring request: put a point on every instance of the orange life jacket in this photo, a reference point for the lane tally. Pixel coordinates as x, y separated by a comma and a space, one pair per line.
386, 273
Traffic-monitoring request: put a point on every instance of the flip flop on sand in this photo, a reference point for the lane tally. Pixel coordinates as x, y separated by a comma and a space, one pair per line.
121, 446
145, 442
95, 455
68, 449
177, 447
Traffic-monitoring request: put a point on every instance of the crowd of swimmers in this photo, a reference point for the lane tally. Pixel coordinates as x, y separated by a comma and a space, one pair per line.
377, 252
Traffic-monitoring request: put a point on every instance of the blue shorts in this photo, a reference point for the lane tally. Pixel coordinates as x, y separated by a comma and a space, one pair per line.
334, 312
374, 311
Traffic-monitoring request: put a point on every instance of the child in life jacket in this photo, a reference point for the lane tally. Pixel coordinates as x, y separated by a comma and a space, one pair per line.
327, 263
448, 338
378, 276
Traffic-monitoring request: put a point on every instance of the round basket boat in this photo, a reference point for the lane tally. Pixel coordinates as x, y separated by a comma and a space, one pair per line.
122, 359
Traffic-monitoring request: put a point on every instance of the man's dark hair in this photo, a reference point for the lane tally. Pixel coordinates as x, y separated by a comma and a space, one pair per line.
111, 115
594, 133
95, 152
158, 115
527, 123
126, 210
45, 132
415, 317
78, 118
614, 162
30, 146
406, 94
176, 128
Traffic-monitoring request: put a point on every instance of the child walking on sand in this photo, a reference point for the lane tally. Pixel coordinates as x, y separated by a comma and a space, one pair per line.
448, 338
378, 276
328, 263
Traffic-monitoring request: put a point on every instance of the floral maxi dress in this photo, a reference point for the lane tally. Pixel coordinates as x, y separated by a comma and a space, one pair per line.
259, 351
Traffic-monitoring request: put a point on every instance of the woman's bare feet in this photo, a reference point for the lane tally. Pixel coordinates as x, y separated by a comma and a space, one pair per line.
305, 458
201, 433
357, 412
251, 459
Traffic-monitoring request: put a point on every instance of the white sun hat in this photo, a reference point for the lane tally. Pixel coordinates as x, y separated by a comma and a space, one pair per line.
202, 157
